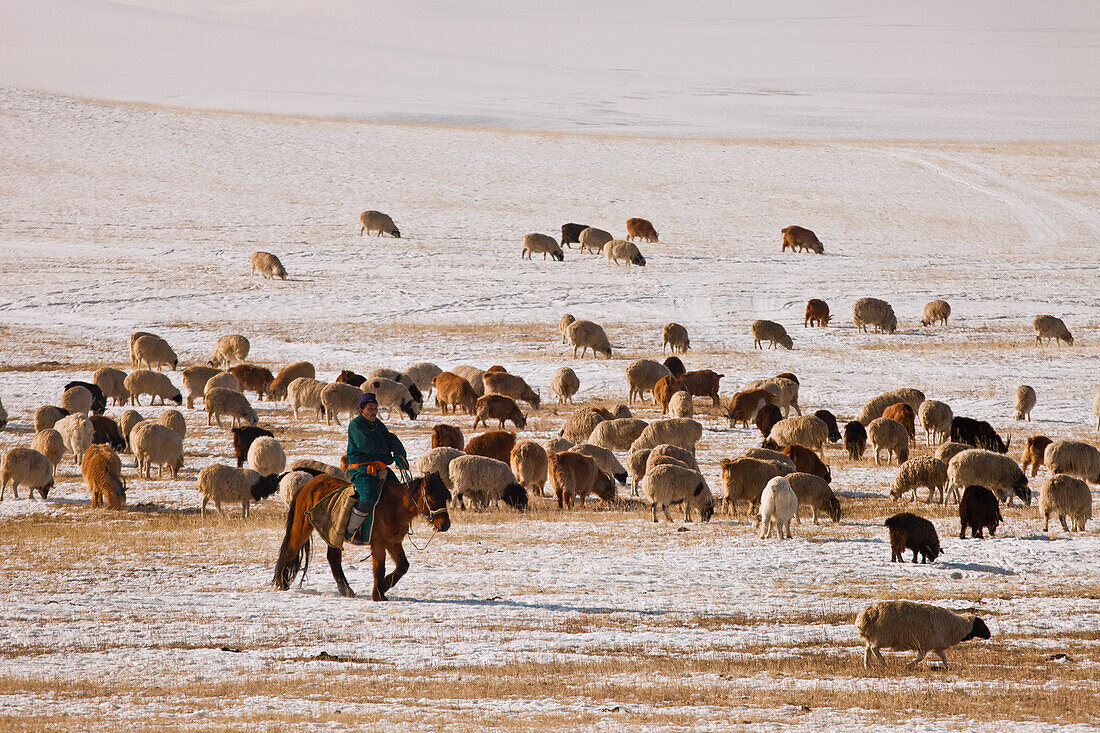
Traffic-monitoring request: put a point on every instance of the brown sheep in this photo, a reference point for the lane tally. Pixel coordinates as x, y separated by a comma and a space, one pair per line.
278, 387
454, 391
447, 436
744, 405
903, 413
766, 418
799, 239
703, 383
817, 313
806, 461
640, 229
530, 466
496, 444
664, 389
253, 379
102, 472
347, 376
1034, 453
574, 476
498, 407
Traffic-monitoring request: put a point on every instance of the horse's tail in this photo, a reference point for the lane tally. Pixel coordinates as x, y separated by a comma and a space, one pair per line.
294, 553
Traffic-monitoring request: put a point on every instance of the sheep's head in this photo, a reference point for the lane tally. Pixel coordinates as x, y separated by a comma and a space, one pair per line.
519, 418
1021, 490
1067, 337
978, 630
515, 496
44, 490
606, 352
177, 398
395, 233
638, 260
410, 408
558, 255
705, 501
786, 342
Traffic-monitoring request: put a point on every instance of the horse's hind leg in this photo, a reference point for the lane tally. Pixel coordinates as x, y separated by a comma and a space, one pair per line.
335, 561
378, 559
397, 552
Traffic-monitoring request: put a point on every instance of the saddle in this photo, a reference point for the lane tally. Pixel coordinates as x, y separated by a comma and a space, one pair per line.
329, 516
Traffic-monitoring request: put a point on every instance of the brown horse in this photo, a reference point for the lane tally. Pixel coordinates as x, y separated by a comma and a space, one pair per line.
397, 506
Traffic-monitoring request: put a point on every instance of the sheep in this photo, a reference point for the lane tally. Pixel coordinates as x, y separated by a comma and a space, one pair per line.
535, 242
785, 391
664, 389
267, 265
340, 399
935, 417
581, 424
1051, 328
910, 532
154, 384
782, 461
509, 385
766, 418
920, 471
778, 506
642, 375
473, 375
530, 465
486, 479
637, 228
620, 411
225, 380
1034, 453
220, 401
744, 405
106, 431
817, 313
890, 436
703, 383
594, 240
1066, 496
396, 376
874, 312
682, 432
674, 365
438, 460
1075, 458
772, 332
565, 383
126, 423
563, 324
49, 443
304, 394
916, 627
229, 350
558, 445
667, 484
243, 438
77, 400
806, 461
102, 474
680, 405
605, 459
444, 435
266, 455
618, 249
937, 310
675, 337
830, 423
498, 407
77, 432
111, 384
194, 381
253, 379
422, 373
815, 493
574, 476
978, 510
317, 468
98, 402
992, 470
159, 445
976, 433
877, 405
949, 450
636, 464
800, 239
279, 386
585, 335
903, 413
855, 440
809, 431
496, 444
453, 391
28, 467
154, 352
570, 233
1025, 402
133, 341
376, 221
218, 483
744, 479
289, 484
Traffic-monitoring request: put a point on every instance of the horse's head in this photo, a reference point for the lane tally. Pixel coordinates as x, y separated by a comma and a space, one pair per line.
434, 498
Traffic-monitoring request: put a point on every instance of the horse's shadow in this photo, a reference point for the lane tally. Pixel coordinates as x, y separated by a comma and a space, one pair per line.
498, 602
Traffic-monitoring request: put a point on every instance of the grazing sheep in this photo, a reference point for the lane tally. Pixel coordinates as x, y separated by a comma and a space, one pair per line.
220, 401
935, 418
910, 532
1051, 328
675, 366
877, 405
111, 384
581, 424
703, 383
642, 376
46, 416
26, 467
535, 242
453, 391
253, 379
744, 479
157, 445
605, 459
473, 375
949, 450
817, 313
194, 381
483, 480
133, 342
1025, 402
509, 385
830, 422
530, 465
338, 399
106, 431
978, 510
101, 470
243, 438
806, 461
218, 483
496, 444
267, 265
890, 436
855, 440
809, 431
154, 384
304, 394
920, 471
640, 229
617, 249
266, 455
874, 312
393, 395
565, 384
317, 468
680, 405
50, 444
570, 233
681, 432
772, 332
376, 221
395, 376
977, 433
1075, 458
916, 627
77, 432
230, 350
675, 336
279, 386
444, 435
668, 484
77, 400
745, 405
154, 352
498, 407
784, 389
126, 423
563, 324
289, 484
574, 476
1066, 496
782, 461
585, 335
593, 240
636, 464
1034, 453
778, 506
224, 380
800, 239
422, 373
903, 413
994, 471
815, 493
937, 310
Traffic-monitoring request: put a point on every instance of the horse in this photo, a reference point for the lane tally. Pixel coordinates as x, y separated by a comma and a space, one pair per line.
397, 506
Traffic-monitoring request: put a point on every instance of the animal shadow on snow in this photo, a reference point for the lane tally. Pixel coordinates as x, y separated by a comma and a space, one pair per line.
975, 567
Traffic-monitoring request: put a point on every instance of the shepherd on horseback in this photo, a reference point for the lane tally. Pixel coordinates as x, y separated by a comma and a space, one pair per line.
371, 449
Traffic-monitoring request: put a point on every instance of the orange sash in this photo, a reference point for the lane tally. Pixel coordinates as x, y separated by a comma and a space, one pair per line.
373, 467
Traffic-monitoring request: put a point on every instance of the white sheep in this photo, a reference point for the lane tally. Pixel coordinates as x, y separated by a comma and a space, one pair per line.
194, 382
77, 400
585, 335
77, 432
772, 332
920, 471
935, 417
682, 432
267, 265
224, 380
133, 342
996, 472
157, 445
290, 483
154, 352
605, 459
667, 484
916, 627
680, 405
154, 384
778, 505
46, 416
890, 436
340, 399
422, 373
481, 479
49, 443
1051, 329
393, 396
1065, 496
26, 467
218, 483
535, 242
1024, 402
937, 310
376, 221
530, 465
230, 350
438, 460
616, 434
318, 467
808, 431
126, 423
675, 336
220, 401
111, 383
874, 312
785, 391
563, 325
593, 240
1074, 458
814, 492
474, 376
304, 393
580, 425
565, 384
173, 419
619, 249
642, 375
266, 456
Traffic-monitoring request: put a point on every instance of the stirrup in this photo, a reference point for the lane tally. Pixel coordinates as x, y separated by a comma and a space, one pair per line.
355, 526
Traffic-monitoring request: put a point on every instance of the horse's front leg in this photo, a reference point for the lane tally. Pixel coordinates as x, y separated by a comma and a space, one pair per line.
397, 552
378, 558
336, 562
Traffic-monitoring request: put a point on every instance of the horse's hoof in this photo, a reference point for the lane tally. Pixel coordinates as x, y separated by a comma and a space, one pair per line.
347, 592
378, 596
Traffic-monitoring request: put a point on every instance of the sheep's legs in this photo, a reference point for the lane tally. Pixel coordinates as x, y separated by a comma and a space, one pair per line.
335, 561
918, 660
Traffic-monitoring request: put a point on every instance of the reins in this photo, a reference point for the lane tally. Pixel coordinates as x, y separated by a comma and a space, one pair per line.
427, 513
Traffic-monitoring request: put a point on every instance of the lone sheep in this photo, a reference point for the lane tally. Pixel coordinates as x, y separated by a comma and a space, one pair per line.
800, 239
817, 313
640, 229
267, 265
585, 335
376, 221
915, 627
874, 312
1025, 402
1051, 329
1066, 496
675, 336
534, 243
937, 310
618, 249
772, 332
565, 384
